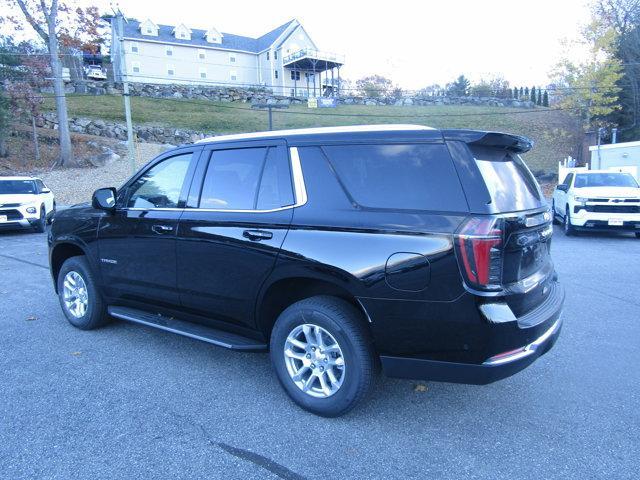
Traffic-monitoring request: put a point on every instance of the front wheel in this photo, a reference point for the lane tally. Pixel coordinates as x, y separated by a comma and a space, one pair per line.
554, 215
323, 355
41, 224
568, 228
79, 297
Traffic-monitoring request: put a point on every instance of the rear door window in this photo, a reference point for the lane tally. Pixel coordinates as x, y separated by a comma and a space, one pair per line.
511, 185
398, 176
247, 179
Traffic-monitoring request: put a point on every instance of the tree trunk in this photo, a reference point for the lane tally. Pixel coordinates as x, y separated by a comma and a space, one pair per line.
35, 139
66, 153
3, 146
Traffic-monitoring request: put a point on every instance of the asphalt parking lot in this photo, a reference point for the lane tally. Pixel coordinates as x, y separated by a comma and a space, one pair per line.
126, 401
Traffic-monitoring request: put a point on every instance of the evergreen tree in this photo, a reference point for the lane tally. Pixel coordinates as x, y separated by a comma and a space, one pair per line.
539, 101
515, 92
526, 93
545, 99
533, 94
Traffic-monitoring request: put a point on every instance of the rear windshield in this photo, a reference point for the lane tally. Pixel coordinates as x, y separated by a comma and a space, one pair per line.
398, 176
511, 184
17, 187
605, 180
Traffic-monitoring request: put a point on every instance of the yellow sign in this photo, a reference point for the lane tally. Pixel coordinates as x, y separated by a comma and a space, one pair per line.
312, 103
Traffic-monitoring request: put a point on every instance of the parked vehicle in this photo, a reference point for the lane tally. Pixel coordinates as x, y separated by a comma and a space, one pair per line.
337, 249
94, 72
25, 202
598, 200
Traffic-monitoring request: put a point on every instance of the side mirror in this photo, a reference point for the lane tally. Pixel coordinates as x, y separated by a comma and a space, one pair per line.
563, 187
104, 199
45, 190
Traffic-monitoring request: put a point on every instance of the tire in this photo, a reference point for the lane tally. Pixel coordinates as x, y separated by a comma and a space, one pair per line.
554, 215
41, 226
568, 228
94, 314
341, 323
51, 214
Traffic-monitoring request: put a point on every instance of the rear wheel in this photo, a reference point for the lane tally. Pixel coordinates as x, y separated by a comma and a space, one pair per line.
568, 228
79, 297
323, 355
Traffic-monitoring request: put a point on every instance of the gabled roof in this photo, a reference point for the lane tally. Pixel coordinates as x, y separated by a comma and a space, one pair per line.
229, 40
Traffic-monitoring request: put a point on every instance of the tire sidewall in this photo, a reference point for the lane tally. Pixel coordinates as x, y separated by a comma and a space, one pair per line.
42, 221
336, 403
568, 230
88, 320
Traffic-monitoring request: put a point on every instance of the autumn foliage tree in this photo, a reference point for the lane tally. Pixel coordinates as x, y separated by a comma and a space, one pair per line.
60, 25
25, 98
590, 87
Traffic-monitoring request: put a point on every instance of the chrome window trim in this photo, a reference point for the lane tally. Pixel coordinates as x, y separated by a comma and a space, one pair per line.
299, 190
299, 187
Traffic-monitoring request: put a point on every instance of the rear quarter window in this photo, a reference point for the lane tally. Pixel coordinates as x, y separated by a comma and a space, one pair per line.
511, 185
398, 176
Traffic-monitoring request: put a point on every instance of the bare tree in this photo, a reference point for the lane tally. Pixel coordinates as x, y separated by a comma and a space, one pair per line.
44, 20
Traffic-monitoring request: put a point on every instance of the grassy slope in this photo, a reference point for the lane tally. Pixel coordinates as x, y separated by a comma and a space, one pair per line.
553, 132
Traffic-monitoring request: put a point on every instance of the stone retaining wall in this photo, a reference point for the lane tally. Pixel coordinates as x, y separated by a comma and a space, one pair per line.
264, 95
143, 133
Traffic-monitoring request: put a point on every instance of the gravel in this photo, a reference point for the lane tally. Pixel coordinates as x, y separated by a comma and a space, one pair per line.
75, 185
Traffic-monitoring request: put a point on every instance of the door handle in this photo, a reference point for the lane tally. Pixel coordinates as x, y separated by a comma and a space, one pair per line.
257, 235
161, 229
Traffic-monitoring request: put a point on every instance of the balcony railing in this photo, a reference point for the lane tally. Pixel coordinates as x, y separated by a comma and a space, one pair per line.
314, 54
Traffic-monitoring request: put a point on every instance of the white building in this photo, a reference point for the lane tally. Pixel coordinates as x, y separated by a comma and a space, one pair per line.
619, 156
285, 59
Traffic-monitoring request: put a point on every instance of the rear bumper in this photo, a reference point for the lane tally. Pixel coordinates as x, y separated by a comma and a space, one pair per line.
492, 369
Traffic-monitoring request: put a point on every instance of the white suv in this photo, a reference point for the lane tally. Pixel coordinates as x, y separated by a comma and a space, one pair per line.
598, 200
25, 202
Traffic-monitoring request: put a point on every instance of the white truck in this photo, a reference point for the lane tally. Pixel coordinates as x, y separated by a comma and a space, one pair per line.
597, 200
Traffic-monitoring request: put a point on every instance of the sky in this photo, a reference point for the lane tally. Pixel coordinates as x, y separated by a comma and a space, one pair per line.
414, 43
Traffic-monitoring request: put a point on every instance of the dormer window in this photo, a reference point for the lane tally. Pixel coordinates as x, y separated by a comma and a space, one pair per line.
149, 28
213, 36
182, 32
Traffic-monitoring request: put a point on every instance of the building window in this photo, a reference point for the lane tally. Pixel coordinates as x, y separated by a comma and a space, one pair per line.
134, 47
267, 55
276, 73
275, 55
135, 67
171, 70
232, 59
203, 73
201, 54
295, 75
169, 51
234, 75
149, 31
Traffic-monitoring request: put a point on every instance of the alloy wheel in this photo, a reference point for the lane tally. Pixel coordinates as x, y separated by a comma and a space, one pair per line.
314, 360
75, 294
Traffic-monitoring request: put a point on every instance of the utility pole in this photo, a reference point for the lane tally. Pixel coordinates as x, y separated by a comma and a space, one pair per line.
125, 90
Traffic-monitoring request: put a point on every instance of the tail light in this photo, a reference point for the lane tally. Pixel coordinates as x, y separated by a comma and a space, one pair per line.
479, 249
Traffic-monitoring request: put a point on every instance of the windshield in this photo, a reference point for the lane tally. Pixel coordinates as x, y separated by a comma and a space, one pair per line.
613, 179
511, 185
17, 187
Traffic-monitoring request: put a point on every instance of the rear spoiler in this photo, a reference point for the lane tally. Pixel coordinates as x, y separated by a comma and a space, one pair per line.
503, 141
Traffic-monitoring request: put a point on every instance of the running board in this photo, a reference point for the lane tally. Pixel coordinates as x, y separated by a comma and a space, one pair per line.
188, 329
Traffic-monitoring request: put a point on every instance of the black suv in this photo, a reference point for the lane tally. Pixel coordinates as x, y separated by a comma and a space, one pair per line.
338, 249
